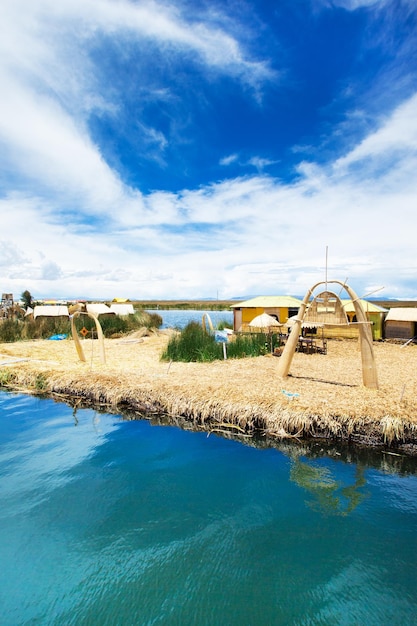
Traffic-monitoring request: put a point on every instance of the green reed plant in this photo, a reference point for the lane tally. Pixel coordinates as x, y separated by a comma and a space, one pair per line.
152, 320
17, 330
251, 344
222, 324
119, 325
44, 327
10, 330
193, 343
6, 377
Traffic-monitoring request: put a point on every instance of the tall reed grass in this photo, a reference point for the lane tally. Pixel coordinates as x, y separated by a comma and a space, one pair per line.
193, 343
44, 327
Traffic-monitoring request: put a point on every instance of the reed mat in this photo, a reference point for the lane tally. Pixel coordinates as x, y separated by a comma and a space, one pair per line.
323, 397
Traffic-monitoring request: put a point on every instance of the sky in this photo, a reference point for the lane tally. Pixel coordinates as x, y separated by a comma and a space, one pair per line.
207, 148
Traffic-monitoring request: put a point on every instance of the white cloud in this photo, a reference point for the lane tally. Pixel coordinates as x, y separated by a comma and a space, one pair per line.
51, 271
48, 147
247, 235
352, 5
49, 89
74, 227
228, 160
393, 140
158, 23
260, 163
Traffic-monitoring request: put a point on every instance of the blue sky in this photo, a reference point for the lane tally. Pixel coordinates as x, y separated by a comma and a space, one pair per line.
207, 149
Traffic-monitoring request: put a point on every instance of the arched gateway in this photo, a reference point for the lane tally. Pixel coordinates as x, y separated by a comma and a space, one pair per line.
77, 343
328, 304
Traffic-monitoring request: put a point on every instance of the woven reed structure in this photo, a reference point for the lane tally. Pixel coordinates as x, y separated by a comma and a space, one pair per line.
327, 306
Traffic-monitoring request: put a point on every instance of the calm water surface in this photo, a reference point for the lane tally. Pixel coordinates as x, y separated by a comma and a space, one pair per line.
105, 521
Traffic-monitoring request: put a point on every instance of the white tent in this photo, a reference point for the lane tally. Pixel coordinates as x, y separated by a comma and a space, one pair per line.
50, 310
264, 321
99, 309
122, 309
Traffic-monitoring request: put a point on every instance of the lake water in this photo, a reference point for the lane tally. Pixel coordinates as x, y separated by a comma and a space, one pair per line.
112, 522
176, 318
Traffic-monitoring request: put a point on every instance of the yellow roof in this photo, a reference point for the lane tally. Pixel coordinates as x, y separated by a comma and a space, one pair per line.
368, 307
278, 302
268, 302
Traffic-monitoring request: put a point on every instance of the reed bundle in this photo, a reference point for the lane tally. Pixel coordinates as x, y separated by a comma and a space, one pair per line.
322, 397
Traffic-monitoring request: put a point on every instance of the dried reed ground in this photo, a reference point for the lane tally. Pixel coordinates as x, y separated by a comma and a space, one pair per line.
244, 393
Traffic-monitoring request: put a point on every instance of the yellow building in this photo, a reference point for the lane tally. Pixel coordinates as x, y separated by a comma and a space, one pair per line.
279, 307
284, 307
349, 329
375, 314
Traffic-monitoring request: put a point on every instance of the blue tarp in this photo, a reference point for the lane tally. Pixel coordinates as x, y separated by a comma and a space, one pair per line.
58, 337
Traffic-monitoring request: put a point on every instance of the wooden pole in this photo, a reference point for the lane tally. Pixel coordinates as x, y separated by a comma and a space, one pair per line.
369, 373
291, 345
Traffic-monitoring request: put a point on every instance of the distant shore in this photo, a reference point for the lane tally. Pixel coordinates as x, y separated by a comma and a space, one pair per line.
221, 305
185, 305
323, 398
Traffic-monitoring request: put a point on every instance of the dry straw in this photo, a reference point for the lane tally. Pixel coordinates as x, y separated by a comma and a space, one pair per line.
323, 397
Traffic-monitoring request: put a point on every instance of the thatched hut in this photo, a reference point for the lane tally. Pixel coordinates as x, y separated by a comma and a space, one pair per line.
374, 313
339, 316
99, 309
279, 307
326, 308
50, 310
401, 323
122, 309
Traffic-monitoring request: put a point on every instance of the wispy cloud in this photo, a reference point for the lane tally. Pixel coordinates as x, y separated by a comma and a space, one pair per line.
227, 160
77, 224
50, 89
260, 163
264, 232
352, 5
398, 133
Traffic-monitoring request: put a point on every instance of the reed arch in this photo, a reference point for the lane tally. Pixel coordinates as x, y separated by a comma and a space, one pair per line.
369, 373
76, 338
207, 323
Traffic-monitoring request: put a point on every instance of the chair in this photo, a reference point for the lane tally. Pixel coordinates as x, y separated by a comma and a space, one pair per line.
323, 348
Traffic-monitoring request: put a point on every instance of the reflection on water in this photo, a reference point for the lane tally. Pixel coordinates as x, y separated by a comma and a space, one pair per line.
329, 494
105, 521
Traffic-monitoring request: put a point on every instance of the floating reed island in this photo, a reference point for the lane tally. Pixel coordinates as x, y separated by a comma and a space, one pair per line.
322, 398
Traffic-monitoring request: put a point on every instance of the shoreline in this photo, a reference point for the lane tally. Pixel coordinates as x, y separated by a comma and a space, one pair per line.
322, 399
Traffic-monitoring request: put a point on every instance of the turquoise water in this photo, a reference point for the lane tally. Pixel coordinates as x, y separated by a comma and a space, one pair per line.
104, 521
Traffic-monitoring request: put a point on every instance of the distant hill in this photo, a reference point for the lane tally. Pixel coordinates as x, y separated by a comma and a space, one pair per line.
394, 303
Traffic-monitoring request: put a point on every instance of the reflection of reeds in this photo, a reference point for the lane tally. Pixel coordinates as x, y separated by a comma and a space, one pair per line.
237, 395
329, 495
